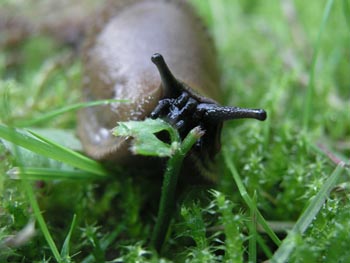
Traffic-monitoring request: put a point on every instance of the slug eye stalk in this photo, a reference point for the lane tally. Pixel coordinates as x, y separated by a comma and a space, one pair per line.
169, 82
217, 113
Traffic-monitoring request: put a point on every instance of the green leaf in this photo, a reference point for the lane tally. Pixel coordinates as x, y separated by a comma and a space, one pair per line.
145, 140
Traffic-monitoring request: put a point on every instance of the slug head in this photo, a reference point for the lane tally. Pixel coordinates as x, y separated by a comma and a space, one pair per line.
184, 109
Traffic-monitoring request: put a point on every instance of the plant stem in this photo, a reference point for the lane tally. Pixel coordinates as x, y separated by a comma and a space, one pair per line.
167, 199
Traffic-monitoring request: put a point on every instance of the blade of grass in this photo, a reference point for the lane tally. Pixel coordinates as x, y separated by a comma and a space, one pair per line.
283, 252
265, 248
28, 188
52, 114
247, 198
73, 158
40, 219
253, 232
5, 105
334, 157
65, 248
311, 85
47, 70
40, 173
50, 149
346, 9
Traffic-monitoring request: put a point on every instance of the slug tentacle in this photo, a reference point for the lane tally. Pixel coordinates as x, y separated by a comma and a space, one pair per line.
170, 83
213, 113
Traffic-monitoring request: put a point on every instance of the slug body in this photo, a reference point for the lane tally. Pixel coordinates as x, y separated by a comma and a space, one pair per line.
117, 65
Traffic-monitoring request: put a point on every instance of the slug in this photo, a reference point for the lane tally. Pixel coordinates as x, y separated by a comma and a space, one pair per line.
182, 85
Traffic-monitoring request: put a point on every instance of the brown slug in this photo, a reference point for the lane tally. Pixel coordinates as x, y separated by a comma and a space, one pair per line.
117, 65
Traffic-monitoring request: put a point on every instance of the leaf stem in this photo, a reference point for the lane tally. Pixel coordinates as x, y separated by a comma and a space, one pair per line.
167, 200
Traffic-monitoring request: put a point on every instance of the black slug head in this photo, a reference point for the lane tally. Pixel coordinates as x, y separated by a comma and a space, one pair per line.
184, 109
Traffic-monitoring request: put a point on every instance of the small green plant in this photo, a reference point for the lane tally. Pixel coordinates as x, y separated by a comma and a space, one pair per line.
146, 143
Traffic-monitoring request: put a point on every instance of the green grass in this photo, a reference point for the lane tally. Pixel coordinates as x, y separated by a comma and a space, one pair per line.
283, 187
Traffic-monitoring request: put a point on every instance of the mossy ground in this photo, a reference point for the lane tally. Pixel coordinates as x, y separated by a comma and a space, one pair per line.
290, 58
